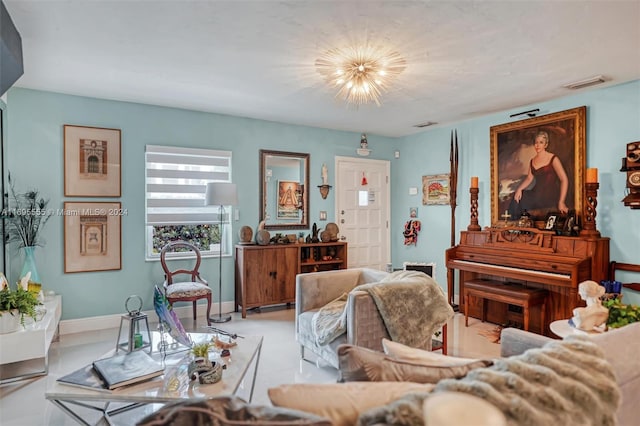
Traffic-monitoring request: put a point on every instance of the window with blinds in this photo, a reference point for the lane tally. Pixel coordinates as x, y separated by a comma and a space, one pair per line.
176, 181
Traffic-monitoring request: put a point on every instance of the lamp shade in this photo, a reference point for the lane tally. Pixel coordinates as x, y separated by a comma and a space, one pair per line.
221, 194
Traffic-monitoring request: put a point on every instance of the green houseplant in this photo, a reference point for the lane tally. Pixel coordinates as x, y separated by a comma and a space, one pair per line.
621, 314
20, 301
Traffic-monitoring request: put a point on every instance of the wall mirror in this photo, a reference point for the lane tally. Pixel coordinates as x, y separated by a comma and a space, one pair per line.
284, 184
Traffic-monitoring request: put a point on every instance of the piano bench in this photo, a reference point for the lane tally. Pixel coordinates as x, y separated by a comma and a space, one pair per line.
513, 294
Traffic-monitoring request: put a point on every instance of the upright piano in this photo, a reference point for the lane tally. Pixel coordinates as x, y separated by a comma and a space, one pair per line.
529, 257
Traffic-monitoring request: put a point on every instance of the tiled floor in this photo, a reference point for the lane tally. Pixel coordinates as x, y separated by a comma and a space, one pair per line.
23, 403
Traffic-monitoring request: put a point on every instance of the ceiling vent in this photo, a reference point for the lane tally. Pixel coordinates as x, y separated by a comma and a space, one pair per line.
592, 81
427, 124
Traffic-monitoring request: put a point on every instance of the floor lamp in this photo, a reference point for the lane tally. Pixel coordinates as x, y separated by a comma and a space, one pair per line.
221, 194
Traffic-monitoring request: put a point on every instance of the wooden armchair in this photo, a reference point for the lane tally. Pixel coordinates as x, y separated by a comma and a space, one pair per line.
185, 291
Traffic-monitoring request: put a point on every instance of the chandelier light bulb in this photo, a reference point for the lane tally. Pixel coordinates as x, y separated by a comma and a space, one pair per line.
360, 72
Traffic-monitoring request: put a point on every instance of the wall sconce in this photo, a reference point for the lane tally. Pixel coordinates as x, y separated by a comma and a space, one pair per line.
325, 187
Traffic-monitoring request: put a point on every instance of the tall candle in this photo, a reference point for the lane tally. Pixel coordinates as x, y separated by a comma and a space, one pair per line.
474, 182
592, 175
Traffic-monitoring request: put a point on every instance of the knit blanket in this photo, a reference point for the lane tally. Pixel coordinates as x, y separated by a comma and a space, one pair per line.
565, 382
411, 304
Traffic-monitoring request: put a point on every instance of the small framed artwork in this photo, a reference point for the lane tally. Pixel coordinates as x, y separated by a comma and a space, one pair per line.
435, 189
551, 222
413, 212
92, 236
289, 199
91, 162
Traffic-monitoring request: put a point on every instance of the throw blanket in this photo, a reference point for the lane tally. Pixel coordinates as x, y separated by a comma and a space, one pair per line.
411, 304
565, 382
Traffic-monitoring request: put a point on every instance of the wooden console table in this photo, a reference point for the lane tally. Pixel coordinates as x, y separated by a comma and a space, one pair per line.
25, 353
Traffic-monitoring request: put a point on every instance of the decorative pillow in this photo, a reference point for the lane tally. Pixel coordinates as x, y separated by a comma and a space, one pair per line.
229, 411
420, 356
435, 408
341, 402
359, 364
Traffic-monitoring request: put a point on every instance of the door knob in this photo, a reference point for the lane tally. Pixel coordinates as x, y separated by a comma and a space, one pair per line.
341, 220
341, 211
343, 238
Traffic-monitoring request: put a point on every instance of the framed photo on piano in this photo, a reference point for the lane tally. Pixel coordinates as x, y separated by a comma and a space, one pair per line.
538, 165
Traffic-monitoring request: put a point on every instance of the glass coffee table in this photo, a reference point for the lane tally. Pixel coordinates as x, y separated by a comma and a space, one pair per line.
173, 386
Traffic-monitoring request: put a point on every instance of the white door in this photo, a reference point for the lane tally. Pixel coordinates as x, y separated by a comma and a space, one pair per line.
362, 210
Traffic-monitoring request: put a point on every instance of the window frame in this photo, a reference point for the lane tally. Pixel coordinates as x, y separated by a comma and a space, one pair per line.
156, 208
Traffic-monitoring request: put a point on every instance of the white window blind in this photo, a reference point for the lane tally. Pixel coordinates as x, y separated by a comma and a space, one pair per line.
176, 180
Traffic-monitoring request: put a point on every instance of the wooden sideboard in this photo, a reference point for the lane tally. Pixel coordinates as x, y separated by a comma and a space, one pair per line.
266, 275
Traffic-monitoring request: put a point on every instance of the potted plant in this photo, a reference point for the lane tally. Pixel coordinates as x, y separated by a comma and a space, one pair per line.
16, 304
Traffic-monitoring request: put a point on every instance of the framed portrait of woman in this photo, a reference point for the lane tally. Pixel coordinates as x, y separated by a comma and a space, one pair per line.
538, 165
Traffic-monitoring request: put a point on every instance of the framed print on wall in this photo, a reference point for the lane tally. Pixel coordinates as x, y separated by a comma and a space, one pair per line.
435, 189
289, 199
538, 165
91, 162
92, 236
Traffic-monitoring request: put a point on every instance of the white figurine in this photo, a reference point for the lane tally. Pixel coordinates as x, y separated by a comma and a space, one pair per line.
325, 175
594, 314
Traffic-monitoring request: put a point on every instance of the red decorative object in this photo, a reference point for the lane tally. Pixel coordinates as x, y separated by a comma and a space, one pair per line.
364, 180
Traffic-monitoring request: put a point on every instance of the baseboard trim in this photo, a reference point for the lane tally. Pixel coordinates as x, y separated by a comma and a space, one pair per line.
103, 322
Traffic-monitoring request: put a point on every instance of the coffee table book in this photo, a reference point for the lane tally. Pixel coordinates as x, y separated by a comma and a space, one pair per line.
127, 368
85, 377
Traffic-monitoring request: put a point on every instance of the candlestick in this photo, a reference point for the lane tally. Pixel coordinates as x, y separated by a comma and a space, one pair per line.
592, 175
474, 182
591, 202
473, 226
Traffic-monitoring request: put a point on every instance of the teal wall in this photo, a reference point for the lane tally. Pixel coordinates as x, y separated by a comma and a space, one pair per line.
36, 161
36, 121
613, 120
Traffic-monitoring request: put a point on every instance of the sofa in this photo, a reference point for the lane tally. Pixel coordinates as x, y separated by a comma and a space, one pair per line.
621, 348
614, 354
406, 382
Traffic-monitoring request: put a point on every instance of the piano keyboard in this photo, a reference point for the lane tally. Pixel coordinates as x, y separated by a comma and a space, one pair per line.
459, 264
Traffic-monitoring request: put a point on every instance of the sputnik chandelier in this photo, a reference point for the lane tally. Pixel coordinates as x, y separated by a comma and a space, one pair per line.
360, 73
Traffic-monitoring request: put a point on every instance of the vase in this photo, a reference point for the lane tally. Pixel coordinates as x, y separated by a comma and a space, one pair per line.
30, 265
9, 321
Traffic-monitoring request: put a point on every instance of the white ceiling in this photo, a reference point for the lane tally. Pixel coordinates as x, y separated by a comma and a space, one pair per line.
256, 58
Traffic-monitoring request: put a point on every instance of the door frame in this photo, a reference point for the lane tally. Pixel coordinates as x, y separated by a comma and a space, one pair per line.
338, 186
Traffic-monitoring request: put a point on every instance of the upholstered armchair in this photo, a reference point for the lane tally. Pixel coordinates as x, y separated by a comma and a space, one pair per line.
364, 324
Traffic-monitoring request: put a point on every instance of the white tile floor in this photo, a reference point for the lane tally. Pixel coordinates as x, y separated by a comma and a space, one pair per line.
23, 403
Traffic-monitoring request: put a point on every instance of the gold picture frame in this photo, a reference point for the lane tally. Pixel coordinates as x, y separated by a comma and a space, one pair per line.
92, 236
512, 149
92, 157
436, 189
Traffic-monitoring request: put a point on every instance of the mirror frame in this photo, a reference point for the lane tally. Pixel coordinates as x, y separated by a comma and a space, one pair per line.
263, 196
